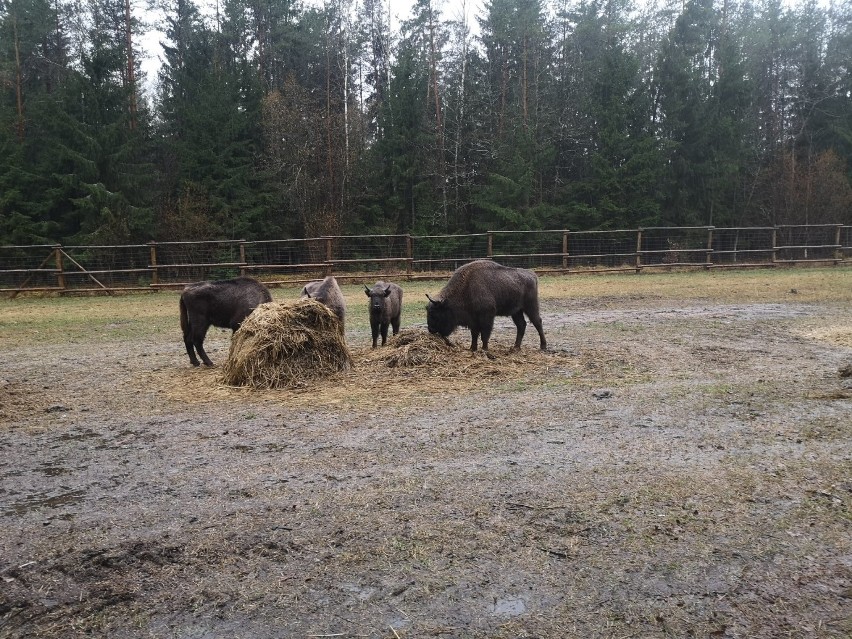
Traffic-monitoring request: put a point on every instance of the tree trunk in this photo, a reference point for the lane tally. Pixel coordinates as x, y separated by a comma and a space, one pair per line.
131, 70
19, 84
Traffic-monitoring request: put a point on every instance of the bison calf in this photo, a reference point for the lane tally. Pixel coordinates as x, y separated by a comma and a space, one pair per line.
385, 309
327, 292
479, 291
225, 303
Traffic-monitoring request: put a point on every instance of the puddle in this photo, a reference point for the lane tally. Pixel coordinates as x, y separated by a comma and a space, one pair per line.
277, 448
35, 502
54, 471
362, 593
75, 437
509, 607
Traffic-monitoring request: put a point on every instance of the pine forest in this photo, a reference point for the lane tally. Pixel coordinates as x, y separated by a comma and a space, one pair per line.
277, 119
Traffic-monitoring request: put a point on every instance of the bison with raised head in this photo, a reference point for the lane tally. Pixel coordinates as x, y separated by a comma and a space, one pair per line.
225, 303
479, 291
327, 292
385, 309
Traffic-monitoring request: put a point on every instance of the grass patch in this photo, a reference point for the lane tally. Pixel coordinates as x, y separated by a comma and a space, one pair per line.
30, 319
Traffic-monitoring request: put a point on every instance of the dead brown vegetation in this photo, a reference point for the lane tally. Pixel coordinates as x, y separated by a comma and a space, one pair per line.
286, 345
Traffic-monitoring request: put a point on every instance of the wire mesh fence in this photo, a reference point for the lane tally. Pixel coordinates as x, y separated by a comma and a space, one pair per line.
173, 264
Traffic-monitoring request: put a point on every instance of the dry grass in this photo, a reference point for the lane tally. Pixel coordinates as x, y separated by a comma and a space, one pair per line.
415, 368
287, 345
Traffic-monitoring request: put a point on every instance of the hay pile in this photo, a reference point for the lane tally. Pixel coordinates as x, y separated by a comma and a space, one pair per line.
287, 345
413, 347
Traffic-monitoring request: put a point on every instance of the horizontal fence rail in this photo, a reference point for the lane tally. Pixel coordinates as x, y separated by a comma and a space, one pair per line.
110, 269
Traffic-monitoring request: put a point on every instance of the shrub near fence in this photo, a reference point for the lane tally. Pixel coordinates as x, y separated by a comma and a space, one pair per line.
107, 269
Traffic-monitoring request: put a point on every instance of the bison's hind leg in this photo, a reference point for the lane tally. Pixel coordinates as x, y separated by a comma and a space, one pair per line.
536, 321
199, 346
198, 333
521, 323
190, 350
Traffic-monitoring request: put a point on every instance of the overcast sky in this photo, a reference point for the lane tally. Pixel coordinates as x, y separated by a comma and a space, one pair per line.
400, 10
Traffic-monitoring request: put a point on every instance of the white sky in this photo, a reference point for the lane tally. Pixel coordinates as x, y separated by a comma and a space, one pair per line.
400, 10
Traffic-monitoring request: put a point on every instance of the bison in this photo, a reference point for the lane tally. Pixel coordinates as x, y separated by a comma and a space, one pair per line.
327, 292
479, 291
225, 303
385, 309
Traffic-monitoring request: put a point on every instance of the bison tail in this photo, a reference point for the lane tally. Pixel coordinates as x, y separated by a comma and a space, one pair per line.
184, 317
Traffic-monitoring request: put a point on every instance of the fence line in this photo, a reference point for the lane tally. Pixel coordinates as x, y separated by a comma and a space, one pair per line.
156, 265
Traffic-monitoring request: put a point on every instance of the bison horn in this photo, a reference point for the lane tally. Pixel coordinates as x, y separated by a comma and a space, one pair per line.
367, 288
431, 300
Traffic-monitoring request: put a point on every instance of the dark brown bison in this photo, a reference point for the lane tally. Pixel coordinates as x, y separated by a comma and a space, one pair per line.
385, 309
327, 292
479, 291
225, 303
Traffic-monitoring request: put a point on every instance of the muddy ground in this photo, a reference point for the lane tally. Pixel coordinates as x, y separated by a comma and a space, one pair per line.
666, 469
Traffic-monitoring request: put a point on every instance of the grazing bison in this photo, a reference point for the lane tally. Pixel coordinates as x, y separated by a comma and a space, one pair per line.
328, 292
225, 304
385, 309
479, 291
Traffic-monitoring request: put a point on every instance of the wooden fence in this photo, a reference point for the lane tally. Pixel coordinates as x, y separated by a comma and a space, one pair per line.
156, 265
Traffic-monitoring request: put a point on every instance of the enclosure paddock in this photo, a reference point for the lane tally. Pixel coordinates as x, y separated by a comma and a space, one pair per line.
676, 465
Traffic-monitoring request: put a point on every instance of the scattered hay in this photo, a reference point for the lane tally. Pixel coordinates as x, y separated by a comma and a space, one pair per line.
287, 345
414, 347
838, 335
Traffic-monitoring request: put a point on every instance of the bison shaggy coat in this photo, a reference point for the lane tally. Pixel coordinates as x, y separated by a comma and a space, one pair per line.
327, 292
224, 303
385, 309
479, 291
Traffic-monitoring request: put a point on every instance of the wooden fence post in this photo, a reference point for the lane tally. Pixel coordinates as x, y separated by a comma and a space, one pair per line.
329, 254
490, 249
409, 254
242, 258
155, 275
708, 259
838, 252
60, 275
565, 249
638, 250
774, 244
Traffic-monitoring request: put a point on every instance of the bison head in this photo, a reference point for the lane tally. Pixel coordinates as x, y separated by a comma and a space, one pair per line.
440, 318
377, 296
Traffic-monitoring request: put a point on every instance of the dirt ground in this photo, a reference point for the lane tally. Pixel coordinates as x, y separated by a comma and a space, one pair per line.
668, 468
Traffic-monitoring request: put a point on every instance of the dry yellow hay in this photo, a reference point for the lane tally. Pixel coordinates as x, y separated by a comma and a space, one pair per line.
413, 347
286, 345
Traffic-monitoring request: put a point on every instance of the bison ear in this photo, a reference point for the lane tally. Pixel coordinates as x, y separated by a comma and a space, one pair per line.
367, 289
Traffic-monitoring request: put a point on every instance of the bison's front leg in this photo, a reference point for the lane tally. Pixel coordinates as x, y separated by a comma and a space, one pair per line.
384, 332
374, 329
